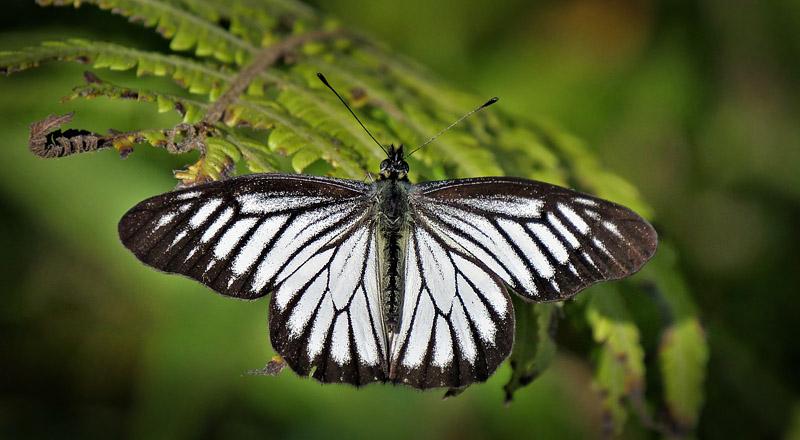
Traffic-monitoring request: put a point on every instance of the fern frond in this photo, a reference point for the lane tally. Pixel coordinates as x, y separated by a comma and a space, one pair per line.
292, 137
184, 28
293, 134
197, 77
257, 22
190, 110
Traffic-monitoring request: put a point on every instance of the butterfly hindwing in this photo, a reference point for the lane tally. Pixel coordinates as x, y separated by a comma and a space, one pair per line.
327, 315
545, 241
457, 323
241, 237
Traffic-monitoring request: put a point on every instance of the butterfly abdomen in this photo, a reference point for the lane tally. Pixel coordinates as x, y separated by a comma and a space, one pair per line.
391, 280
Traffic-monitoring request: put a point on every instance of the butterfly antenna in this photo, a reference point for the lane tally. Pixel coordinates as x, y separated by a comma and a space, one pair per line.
486, 104
325, 81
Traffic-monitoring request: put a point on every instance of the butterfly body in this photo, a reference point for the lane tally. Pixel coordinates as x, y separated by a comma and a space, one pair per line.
392, 223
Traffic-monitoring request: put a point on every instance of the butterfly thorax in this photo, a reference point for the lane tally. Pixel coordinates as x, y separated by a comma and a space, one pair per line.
391, 191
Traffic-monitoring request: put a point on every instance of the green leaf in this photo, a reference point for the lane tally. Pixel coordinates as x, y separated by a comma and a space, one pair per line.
683, 355
303, 158
216, 163
535, 346
620, 366
222, 148
683, 352
259, 158
286, 141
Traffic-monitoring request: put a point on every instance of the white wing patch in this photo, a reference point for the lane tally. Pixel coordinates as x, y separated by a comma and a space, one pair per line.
477, 312
574, 218
340, 342
314, 267
322, 324
204, 212
308, 303
524, 241
215, 227
362, 330
181, 235
165, 220
346, 268
232, 236
508, 205
554, 246
420, 332
479, 237
188, 195
614, 229
585, 201
562, 230
443, 346
463, 331
259, 203
470, 274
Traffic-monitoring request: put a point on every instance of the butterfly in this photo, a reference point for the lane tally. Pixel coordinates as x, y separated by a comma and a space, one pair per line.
389, 281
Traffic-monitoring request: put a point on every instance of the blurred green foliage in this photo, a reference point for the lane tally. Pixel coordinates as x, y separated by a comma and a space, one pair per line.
694, 102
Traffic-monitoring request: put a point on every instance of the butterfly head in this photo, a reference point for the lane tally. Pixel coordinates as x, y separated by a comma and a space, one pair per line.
394, 166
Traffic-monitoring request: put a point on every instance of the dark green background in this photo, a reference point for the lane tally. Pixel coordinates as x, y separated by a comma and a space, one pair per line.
696, 103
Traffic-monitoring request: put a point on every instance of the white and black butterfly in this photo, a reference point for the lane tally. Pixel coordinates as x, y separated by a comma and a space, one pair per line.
389, 281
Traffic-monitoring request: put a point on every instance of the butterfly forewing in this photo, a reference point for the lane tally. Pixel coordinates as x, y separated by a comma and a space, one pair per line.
457, 323
545, 241
241, 237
